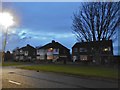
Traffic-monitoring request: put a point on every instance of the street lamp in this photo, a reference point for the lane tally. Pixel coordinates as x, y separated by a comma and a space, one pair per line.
6, 21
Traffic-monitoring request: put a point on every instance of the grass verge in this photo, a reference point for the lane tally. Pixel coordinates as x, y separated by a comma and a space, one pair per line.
103, 72
12, 63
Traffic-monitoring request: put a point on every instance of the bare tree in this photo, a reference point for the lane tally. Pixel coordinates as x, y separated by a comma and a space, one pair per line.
96, 21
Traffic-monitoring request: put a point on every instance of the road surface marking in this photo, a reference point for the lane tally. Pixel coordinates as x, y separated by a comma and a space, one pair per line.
17, 83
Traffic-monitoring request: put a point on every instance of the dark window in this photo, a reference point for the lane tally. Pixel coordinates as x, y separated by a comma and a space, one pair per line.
83, 50
75, 50
56, 50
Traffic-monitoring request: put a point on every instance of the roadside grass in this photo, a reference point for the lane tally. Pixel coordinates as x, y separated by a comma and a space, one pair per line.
89, 71
12, 63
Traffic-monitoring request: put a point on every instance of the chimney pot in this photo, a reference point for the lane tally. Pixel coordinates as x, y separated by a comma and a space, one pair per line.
53, 41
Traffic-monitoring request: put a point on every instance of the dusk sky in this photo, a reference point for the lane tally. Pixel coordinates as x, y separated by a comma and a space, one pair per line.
40, 23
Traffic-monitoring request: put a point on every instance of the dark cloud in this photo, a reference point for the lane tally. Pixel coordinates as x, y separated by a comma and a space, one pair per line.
23, 34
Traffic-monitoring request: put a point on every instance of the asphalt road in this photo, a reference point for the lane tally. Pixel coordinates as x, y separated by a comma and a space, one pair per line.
18, 78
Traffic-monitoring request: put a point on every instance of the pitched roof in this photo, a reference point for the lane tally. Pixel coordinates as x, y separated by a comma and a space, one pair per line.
27, 47
53, 44
93, 43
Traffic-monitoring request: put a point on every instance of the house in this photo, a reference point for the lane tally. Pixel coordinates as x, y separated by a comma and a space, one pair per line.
53, 51
116, 59
91, 51
26, 53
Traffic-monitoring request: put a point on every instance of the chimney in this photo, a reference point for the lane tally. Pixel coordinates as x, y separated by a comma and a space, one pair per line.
28, 45
53, 41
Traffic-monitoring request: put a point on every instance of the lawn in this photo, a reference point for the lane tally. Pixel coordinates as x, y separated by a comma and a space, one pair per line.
92, 71
12, 63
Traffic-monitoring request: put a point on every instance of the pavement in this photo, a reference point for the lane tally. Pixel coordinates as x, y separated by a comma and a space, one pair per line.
13, 77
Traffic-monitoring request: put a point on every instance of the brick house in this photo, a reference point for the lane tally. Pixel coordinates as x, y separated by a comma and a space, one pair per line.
88, 51
53, 51
25, 53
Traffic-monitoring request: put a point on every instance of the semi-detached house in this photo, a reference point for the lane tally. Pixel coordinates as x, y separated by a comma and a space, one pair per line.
53, 51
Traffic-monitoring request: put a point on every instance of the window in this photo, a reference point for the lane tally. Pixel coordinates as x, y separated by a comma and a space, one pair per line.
83, 50
41, 50
17, 52
92, 48
49, 57
56, 50
75, 50
107, 49
38, 57
21, 57
26, 53
38, 51
42, 57
21, 51
29, 57
83, 57
50, 49
33, 53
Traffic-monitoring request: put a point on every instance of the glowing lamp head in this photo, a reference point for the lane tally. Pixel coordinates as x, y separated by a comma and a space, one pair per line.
6, 19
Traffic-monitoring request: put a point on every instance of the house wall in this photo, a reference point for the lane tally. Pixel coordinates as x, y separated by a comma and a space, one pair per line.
104, 51
55, 51
51, 54
41, 54
25, 53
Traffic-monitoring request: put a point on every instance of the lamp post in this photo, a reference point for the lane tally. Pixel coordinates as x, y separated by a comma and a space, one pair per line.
6, 21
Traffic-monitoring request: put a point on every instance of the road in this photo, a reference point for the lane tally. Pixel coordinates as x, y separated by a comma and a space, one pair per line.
18, 78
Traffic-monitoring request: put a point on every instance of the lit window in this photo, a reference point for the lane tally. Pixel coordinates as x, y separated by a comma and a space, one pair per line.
50, 49
107, 49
